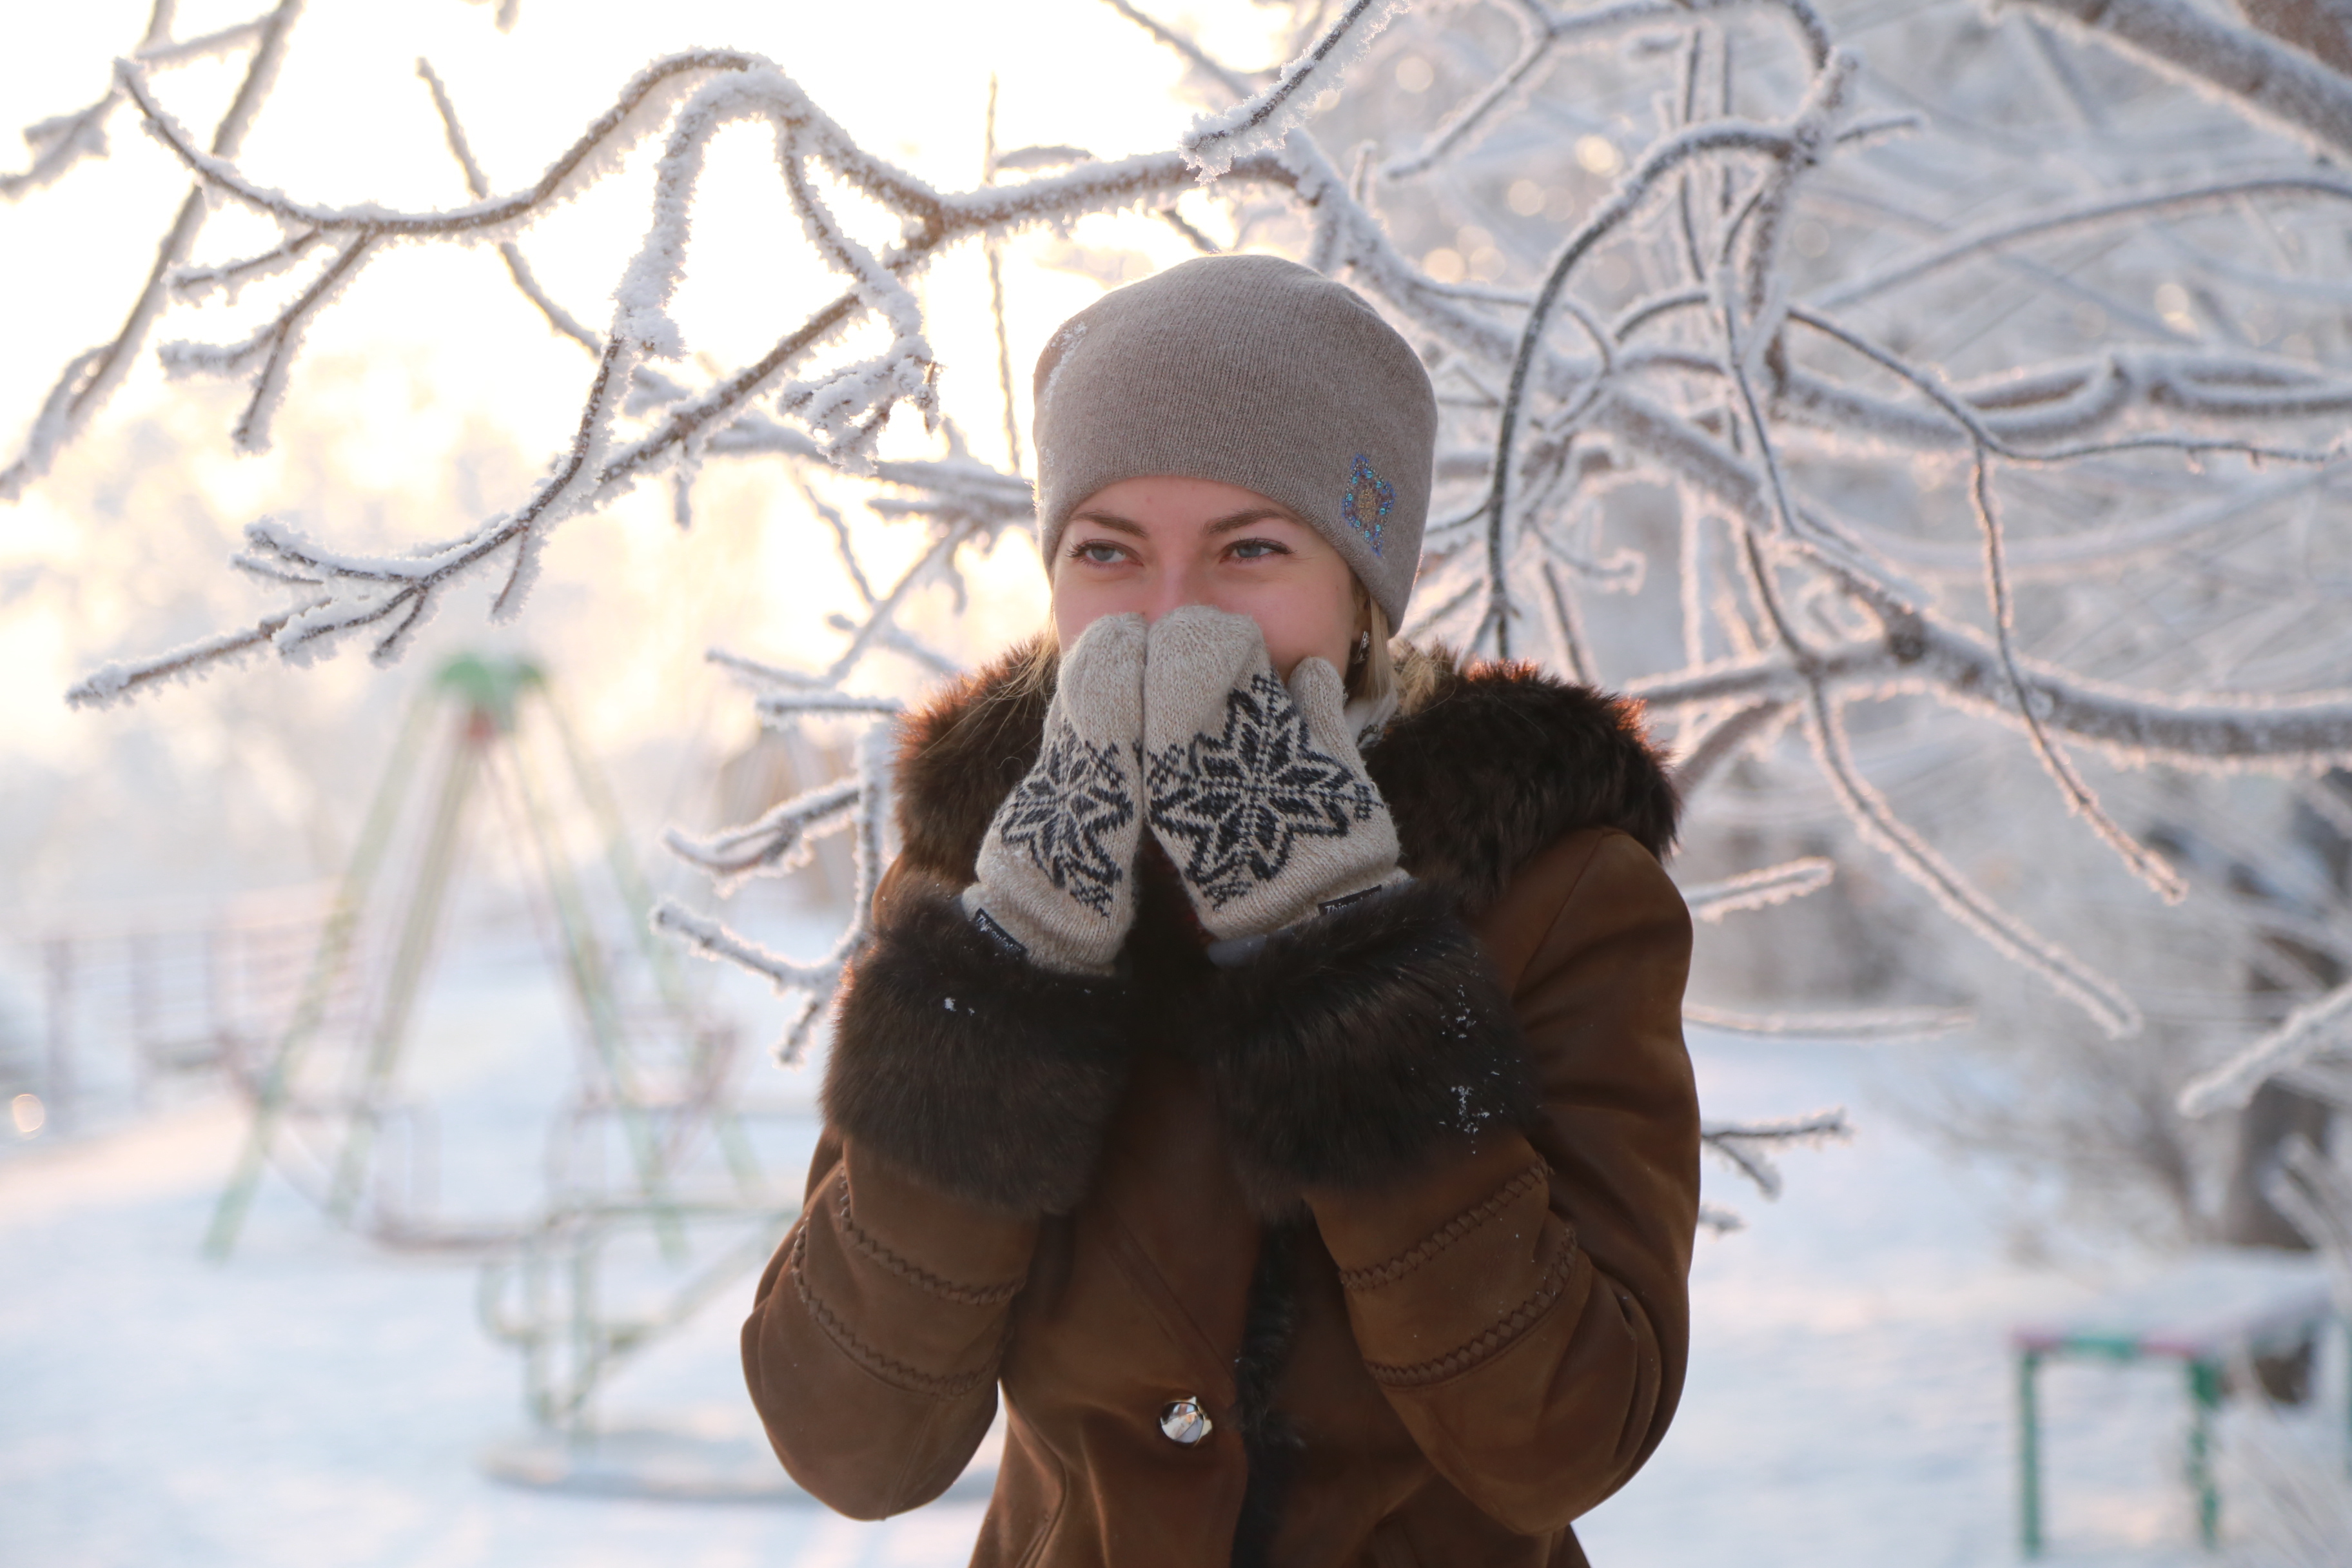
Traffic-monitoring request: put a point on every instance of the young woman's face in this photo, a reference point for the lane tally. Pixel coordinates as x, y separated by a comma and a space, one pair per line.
1154, 545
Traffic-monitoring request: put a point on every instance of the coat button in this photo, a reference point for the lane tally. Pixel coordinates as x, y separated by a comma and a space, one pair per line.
1183, 1421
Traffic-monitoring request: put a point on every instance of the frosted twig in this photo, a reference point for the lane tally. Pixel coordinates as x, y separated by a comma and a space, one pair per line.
160, 51
994, 248
477, 185
196, 282
1214, 140
713, 939
896, 637
2143, 862
1536, 40
1853, 1024
270, 352
2279, 82
2090, 215
1956, 668
2323, 1024
1726, 740
113, 683
90, 378
635, 113
2165, 535
1662, 159
1542, 31
1811, 1131
63, 141
795, 704
1430, 616
777, 840
2315, 1193
59, 143
1744, 1145
2099, 997
1760, 888
1232, 81
2123, 375
1566, 629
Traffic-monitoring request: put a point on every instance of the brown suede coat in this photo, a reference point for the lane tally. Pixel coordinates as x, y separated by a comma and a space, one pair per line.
1405, 1202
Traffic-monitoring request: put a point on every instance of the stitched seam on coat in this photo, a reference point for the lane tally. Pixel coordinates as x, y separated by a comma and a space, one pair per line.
1357, 1280
1492, 1340
870, 1245
896, 1373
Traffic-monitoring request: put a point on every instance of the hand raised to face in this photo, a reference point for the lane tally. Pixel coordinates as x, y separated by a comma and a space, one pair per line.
1254, 787
1055, 875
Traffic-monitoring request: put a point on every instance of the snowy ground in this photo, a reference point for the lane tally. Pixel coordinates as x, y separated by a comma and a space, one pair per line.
317, 1403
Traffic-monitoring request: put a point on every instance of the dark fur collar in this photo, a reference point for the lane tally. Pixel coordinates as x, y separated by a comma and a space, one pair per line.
1482, 767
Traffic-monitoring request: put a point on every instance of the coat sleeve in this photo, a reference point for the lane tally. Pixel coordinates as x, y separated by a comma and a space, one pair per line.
966, 1096
1516, 1278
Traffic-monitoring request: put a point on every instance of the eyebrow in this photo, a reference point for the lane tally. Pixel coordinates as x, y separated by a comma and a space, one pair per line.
1225, 524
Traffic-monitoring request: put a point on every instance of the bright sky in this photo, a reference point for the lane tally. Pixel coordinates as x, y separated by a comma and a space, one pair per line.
433, 389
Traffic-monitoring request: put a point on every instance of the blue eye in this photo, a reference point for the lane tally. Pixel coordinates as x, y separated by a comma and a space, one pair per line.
1257, 549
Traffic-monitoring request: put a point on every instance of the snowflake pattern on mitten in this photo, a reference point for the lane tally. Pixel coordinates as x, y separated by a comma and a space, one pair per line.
1240, 801
1061, 815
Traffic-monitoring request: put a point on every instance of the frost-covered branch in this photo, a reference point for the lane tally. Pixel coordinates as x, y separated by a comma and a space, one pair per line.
1762, 316
1854, 1024
2076, 219
2237, 66
1760, 888
91, 377
1261, 120
2321, 1025
1233, 82
842, 409
1747, 1146
1956, 666
477, 185
63, 141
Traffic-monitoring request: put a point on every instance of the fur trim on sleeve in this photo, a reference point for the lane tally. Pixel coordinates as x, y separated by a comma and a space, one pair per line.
1352, 1047
988, 1078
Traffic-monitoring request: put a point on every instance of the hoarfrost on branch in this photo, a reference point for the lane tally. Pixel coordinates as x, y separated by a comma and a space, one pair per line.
1999, 432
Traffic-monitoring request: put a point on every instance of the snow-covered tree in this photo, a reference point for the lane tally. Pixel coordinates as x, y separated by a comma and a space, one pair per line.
1934, 415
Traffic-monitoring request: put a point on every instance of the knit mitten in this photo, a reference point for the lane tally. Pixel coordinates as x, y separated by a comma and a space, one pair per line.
1057, 872
1256, 789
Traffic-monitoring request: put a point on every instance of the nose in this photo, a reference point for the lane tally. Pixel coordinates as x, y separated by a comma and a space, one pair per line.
1175, 586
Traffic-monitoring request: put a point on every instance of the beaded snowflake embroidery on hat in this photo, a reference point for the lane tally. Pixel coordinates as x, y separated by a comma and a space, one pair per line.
1367, 502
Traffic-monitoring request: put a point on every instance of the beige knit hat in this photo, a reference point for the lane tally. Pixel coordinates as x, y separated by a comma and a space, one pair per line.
1251, 371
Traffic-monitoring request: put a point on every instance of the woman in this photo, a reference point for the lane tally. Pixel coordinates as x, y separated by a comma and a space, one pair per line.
1271, 1077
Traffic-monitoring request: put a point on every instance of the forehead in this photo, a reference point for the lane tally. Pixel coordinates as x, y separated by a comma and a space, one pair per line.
1167, 503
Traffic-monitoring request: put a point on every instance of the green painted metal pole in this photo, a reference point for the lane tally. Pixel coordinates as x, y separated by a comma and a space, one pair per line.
660, 955
420, 924
2204, 1399
335, 942
592, 985
2028, 1454
637, 892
